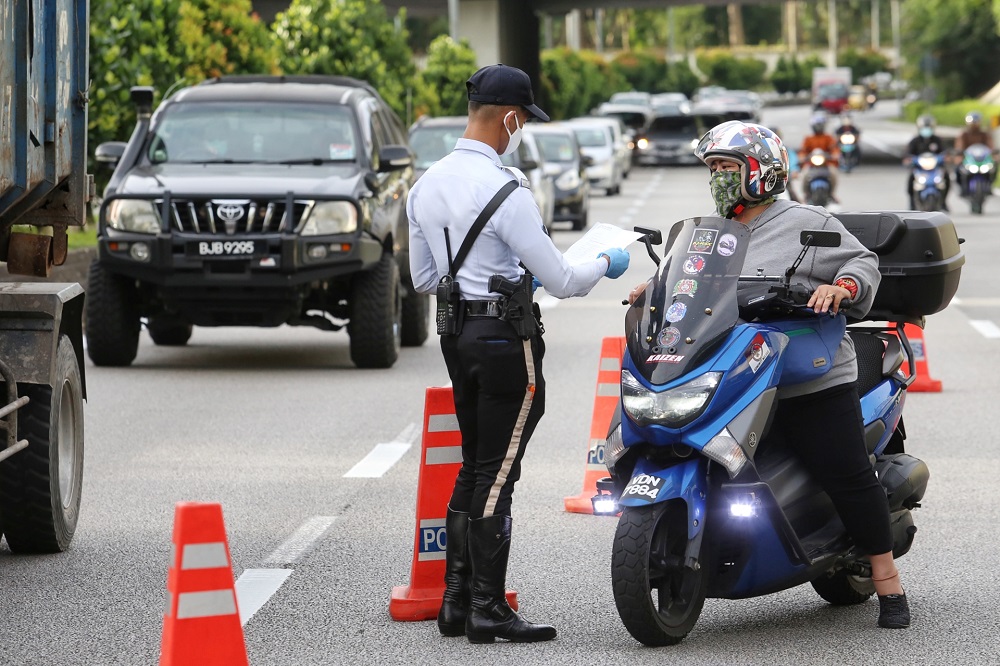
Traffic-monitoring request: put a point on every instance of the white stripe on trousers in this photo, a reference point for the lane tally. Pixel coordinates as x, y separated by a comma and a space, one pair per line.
515, 439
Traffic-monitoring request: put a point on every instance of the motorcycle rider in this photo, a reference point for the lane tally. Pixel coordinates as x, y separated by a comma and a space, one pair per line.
748, 166
847, 126
826, 142
926, 141
972, 134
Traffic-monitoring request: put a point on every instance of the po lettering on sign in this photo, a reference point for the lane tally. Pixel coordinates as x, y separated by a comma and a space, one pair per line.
432, 539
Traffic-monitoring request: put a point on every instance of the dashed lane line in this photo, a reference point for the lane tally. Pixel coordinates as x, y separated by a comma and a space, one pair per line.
255, 587
986, 328
384, 456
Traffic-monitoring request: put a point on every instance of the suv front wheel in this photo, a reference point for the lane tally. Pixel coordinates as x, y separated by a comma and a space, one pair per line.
112, 320
375, 327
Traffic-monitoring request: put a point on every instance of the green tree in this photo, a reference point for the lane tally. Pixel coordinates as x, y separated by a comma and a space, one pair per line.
953, 45
449, 66
348, 38
131, 44
224, 37
723, 69
641, 70
863, 63
681, 78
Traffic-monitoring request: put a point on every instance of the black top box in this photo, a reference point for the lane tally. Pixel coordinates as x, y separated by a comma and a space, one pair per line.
920, 259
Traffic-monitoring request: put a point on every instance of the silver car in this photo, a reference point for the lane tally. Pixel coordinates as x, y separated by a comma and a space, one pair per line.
597, 141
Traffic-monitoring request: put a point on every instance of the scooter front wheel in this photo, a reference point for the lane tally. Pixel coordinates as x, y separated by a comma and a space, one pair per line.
659, 597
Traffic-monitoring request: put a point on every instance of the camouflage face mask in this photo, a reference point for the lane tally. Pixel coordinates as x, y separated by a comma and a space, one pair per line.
725, 186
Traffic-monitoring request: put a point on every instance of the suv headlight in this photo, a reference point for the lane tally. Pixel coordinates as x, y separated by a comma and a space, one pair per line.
136, 215
331, 217
674, 407
569, 180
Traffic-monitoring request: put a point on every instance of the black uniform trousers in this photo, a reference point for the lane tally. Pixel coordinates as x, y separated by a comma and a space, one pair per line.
499, 398
826, 430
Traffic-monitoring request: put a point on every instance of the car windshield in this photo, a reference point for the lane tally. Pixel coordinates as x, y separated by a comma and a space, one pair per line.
264, 132
632, 119
685, 125
432, 143
591, 137
556, 147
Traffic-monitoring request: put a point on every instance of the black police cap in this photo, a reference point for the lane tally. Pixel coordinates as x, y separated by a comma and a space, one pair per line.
504, 86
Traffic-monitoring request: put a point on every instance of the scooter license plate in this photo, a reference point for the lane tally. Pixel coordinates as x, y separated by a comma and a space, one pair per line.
643, 487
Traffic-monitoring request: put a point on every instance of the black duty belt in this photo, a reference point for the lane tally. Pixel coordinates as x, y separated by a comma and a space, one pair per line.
482, 309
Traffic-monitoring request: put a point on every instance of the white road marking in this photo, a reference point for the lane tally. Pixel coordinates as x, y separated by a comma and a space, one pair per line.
255, 587
384, 456
299, 543
986, 328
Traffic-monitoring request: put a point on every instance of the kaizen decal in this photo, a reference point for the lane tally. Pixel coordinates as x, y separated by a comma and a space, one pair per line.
665, 358
676, 312
757, 352
669, 337
685, 287
703, 241
727, 245
694, 265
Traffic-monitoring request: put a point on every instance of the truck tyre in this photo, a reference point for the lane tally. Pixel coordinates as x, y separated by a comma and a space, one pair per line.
40, 486
169, 331
415, 313
112, 321
375, 327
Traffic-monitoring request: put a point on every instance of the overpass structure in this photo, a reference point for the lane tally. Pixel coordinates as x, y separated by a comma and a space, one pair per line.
509, 31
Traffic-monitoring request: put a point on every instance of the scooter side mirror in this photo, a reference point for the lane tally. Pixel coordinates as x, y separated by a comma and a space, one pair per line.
820, 238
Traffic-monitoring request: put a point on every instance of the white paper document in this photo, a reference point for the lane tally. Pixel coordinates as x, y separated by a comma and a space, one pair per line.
601, 237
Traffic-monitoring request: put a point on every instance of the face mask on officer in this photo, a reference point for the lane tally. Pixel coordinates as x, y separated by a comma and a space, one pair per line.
514, 137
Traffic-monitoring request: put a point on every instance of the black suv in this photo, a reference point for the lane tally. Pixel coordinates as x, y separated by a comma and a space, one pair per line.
257, 201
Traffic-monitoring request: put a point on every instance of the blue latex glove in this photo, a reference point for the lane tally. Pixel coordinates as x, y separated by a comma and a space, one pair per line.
618, 262
535, 284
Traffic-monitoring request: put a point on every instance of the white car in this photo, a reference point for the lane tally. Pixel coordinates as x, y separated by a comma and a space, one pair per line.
597, 141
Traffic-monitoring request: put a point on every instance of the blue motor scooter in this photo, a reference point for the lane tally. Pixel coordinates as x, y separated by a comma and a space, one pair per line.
710, 505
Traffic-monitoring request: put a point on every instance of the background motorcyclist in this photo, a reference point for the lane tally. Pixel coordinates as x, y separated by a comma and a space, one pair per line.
972, 134
847, 126
926, 141
824, 141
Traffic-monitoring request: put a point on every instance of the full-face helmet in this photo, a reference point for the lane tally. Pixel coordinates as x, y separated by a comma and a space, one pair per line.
761, 155
818, 123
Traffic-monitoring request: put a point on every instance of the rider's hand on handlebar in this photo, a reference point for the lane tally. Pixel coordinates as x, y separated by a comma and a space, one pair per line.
635, 293
827, 298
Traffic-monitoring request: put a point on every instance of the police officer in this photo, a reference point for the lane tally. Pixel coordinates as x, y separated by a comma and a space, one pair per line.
496, 372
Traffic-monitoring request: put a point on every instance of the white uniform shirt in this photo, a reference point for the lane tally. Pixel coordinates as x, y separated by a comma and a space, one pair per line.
452, 193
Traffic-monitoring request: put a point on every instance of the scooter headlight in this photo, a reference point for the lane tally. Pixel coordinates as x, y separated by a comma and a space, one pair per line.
973, 168
674, 407
847, 139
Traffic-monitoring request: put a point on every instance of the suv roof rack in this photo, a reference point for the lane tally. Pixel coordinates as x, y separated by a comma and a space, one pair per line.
295, 78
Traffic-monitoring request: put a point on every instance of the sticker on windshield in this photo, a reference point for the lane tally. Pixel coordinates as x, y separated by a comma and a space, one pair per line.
757, 352
668, 337
665, 358
685, 288
694, 265
676, 312
727, 245
703, 241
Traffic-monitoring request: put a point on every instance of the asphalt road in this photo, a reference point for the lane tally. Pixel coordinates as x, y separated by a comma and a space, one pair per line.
269, 421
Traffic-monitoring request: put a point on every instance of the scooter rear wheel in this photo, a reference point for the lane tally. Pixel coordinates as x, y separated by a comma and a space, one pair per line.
843, 589
659, 599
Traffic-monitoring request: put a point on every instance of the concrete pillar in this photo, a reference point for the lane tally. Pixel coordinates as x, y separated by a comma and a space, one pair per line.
831, 20
504, 31
894, 13
791, 31
574, 26
735, 13
599, 25
876, 37
453, 19
547, 31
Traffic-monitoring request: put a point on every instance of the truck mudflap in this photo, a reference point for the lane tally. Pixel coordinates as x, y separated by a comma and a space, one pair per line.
33, 316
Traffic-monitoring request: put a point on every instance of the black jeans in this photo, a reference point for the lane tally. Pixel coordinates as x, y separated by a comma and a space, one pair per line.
499, 399
825, 430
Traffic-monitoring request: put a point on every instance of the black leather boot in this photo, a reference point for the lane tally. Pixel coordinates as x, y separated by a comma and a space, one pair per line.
489, 615
457, 575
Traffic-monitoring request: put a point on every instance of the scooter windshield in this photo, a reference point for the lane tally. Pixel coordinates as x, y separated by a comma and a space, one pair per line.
690, 304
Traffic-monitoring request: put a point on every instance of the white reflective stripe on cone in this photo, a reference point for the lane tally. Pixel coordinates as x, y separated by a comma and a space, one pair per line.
444, 455
442, 423
608, 390
204, 556
205, 604
611, 363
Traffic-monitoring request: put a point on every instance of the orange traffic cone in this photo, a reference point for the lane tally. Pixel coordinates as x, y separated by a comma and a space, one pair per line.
923, 382
202, 624
605, 400
440, 460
